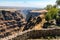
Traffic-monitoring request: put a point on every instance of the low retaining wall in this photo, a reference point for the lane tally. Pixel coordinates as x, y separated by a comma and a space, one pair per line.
38, 33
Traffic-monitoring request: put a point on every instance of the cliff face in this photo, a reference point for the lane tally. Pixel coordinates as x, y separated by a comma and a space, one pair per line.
35, 21
10, 23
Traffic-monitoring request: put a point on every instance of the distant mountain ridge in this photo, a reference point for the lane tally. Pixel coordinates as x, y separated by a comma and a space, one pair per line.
6, 7
23, 10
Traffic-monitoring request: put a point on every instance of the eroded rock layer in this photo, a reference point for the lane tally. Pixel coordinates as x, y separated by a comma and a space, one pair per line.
10, 23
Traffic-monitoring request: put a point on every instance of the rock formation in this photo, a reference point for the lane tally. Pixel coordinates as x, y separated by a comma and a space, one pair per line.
10, 23
35, 20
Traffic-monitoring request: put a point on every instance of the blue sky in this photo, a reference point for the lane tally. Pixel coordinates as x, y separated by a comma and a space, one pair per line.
27, 3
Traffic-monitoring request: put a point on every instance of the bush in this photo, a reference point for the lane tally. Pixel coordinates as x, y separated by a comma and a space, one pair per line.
52, 14
58, 20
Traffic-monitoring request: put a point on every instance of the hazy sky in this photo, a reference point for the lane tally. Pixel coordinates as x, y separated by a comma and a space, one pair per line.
27, 3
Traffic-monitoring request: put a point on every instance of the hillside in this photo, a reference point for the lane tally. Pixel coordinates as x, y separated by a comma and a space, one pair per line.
13, 23
10, 23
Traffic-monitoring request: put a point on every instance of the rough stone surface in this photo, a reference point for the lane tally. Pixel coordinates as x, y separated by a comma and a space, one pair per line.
36, 34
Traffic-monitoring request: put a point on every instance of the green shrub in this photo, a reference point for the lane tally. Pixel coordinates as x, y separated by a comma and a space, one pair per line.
52, 13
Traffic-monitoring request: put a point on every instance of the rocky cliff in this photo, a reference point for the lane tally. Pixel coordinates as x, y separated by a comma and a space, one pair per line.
10, 23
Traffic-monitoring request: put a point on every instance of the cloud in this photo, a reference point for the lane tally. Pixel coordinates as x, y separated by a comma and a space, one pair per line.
27, 4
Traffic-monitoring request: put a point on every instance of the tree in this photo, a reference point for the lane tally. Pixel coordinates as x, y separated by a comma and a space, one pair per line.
48, 7
58, 2
55, 6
